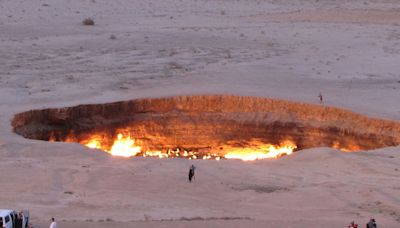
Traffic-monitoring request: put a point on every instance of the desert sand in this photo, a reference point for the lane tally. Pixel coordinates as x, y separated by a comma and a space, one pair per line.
292, 50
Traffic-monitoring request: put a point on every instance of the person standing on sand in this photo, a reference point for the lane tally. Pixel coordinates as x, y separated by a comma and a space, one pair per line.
371, 223
53, 223
18, 221
191, 172
321, 99
193, 168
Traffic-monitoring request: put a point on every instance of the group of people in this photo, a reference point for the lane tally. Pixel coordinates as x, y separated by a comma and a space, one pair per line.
370, 224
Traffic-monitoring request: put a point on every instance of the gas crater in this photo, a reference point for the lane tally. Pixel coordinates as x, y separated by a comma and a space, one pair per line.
207, 127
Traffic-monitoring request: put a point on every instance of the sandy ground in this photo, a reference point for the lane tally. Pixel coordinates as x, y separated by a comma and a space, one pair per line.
348, 50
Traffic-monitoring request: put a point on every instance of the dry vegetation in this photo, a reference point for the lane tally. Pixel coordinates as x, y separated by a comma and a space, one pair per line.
88, 21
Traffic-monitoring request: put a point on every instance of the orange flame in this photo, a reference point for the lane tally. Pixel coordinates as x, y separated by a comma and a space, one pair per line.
261, 152
347, 148
125, 146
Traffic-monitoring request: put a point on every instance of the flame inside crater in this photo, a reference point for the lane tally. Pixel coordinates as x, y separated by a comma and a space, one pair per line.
125, 146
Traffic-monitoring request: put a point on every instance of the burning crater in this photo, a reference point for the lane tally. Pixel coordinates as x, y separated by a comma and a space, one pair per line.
207, 127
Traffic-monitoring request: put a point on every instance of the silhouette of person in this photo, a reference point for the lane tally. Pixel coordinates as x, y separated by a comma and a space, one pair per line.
191, 174
321, 99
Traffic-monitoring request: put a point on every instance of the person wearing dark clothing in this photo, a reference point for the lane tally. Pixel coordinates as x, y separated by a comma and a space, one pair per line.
321, 99
371, 223
192, 167
18, 221
191, 174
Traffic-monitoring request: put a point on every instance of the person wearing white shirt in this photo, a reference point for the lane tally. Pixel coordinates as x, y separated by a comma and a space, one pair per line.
53, 223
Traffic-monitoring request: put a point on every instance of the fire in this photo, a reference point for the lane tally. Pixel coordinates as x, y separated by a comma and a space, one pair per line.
94, 144
125, 146
347, 148
122, 146
159, 154
261, 152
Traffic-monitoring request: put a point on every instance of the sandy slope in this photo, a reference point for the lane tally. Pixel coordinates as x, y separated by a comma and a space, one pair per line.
263, 48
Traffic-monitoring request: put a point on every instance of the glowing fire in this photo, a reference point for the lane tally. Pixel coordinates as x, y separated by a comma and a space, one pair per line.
347, 148
261, 152
125, 146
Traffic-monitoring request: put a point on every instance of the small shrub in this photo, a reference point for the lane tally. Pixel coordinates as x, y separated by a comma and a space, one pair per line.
88, 21
147, 217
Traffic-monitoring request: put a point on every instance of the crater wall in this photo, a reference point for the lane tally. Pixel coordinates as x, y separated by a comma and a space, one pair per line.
210, 121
